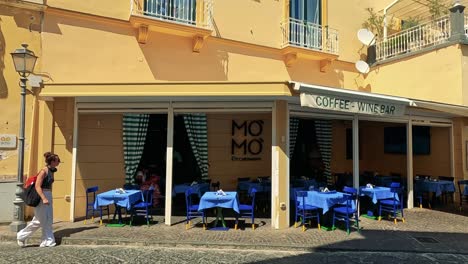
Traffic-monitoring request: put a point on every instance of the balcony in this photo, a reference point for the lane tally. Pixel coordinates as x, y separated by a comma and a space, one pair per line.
188, 18
308, 40
418, 38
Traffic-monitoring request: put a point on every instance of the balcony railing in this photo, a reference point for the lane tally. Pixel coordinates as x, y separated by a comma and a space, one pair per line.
416, 38
309, 35
197, 13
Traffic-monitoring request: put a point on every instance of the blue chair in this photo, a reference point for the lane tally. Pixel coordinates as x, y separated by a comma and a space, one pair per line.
192, 209
90, 199
247, 210
393, 205
142, 208
305, 211
346, 212
463, 196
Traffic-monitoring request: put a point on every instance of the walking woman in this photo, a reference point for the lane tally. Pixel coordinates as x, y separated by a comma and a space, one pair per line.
43, 213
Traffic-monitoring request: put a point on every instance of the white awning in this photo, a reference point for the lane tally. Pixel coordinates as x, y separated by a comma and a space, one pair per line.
456, 110
343, 100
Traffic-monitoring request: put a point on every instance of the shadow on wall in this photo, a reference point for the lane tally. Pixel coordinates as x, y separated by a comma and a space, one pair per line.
3, 85
170, 58
308, 71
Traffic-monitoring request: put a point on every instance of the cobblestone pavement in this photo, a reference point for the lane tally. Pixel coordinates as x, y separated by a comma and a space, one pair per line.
424, 231
11, 253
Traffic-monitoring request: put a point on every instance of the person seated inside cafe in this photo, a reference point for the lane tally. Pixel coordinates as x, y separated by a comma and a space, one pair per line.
153, 181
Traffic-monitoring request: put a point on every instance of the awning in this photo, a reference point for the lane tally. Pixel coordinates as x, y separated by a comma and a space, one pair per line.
456, 110
343, 100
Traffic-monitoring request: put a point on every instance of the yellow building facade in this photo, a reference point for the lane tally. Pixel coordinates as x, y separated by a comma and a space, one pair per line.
258, 62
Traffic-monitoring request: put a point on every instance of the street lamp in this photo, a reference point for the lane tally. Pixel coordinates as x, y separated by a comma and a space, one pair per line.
24, 61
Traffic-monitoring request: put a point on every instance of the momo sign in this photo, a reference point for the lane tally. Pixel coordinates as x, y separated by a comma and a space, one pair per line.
247, 140
351, 105
7, 141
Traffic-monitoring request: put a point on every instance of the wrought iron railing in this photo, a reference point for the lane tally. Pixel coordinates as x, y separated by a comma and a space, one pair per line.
309, 35
413, 39
198, 13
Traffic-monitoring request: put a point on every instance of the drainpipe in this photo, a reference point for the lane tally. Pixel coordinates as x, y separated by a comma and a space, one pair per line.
385, 18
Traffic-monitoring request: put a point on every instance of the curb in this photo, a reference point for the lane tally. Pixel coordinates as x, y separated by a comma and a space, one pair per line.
91, 241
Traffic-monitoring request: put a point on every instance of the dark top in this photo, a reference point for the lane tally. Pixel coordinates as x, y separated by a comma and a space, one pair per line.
48, 180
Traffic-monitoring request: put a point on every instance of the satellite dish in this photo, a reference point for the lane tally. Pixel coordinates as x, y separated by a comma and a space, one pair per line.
366, 37
362, 66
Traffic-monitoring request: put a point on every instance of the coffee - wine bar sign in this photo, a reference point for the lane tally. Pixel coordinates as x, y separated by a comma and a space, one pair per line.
357, 106
247, 140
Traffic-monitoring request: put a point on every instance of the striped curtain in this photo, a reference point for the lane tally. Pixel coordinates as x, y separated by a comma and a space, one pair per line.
323, 132
293, 128
134, 137
197, 132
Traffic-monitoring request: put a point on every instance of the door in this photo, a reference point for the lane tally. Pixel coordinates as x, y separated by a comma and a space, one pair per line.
305, 23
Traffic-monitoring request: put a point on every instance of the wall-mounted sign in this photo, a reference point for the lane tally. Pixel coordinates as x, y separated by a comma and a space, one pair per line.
7, 141
247, 141
351, 105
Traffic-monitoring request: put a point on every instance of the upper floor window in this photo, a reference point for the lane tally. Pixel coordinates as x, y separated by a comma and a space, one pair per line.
306, 10
183, 11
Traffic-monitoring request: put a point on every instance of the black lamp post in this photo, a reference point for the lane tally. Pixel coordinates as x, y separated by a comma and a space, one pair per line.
24, 61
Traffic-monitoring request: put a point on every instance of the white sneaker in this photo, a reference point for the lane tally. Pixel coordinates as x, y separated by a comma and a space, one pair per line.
21, 243
50, 245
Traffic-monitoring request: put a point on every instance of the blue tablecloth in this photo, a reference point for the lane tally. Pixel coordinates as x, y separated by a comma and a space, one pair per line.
465, 192
436, 187
126, 199
260, 187
376, 193
324, 200
210, 200
199, 189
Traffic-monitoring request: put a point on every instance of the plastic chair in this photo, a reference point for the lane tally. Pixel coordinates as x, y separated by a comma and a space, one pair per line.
305, 211
142, 208
192, 209
446, 195
90, 199
346, 212
393, 205
247, 210
463, 197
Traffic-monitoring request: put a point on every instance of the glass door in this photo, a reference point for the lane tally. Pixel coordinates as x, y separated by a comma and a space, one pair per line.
305, 23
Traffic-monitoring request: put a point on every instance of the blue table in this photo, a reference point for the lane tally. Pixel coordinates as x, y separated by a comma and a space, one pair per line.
325, 200
465, 192
376, 193
197, 188
437, 187
125, 200
211, 200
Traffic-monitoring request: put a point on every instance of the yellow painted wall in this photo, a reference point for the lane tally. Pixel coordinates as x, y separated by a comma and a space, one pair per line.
222, 167
249, 21
14, 30
63, 146
409, 77
119, 9
100, 156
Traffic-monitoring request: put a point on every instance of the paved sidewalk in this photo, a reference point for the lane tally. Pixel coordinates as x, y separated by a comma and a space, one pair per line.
424, 231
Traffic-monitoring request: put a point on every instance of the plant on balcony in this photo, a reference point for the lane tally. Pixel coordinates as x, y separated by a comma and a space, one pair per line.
375, 22
437, 8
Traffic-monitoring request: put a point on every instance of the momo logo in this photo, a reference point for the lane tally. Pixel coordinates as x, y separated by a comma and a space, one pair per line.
247, 141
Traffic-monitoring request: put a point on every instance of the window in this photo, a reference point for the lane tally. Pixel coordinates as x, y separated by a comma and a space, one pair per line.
395, 140
305, 23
